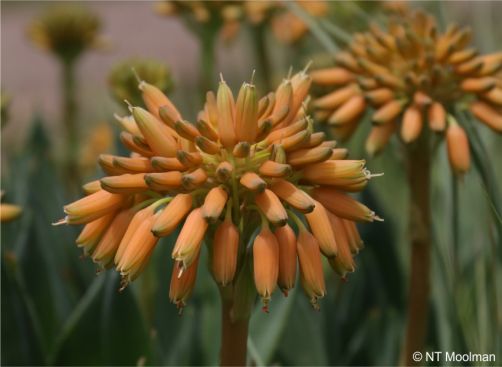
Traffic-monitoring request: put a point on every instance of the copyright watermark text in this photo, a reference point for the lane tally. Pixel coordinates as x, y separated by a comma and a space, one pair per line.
437, 356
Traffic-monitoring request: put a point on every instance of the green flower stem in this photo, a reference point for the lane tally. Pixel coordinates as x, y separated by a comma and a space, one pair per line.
420, 230
69, 89
262, 60
207, 37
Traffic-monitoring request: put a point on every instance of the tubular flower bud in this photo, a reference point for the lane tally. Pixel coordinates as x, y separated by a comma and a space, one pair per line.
172, 215
292, 195
225, 251
92, 233
311, 272
108, 245
214, 203
182, 283
188, 244
319, 224
343, 263
458, 148
413, 75
242, 162
226, 115
271, 206
287, 258
266, 264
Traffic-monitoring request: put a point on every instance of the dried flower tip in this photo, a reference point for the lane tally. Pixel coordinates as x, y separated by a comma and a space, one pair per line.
214, 203
186, 130
206, 145
189, 159
253, 182
194, 179
242, 149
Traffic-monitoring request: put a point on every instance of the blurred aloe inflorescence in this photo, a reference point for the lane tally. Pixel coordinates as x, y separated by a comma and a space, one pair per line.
412, 77
123, 79
237, 180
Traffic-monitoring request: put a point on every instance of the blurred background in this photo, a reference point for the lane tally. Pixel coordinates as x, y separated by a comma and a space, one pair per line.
55, 310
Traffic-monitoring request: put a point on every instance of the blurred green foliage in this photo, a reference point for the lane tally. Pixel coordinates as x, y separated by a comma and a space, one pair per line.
57, 311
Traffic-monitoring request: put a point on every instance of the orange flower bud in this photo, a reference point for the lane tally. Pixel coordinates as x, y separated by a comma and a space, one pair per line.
188, 244
301, 83
339, 153
168, 164
106, 163
206, 145
194, 178
343, 205
311, 271
319, 224
332, 76
437, 117
160, 142
411, 124
172, 215
458, 148
214, 203
92, 233
349, 111
355, 241
313, 140
108, 245
241, 150
274, 169
341, 173
287, 258
282, 133
169, 116
186, 130
336, 98
164, 181
487, 114
283, 102
246, 117
462, 56
226, 115
92, 187
154, 99
295, 197
380, 96
477, 85
189, 159
182, 282
211, 108
343, 262
138, 249
134, 165
125, 184
128, 141
494, 96
92, 207
253, 182
225, 250
271, 206
309, 156
207, 130
388, 112
224, 171
266, 264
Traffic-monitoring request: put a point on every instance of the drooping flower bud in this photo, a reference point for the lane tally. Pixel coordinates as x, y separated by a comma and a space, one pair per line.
225, 250
287, 258
266, 264
458, 148
187, 246
226, 115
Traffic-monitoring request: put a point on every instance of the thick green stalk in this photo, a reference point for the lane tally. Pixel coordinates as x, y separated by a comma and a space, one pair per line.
420, 230
69, 89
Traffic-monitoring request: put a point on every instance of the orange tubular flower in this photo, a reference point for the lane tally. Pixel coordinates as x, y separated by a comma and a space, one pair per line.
412, 77
246, 160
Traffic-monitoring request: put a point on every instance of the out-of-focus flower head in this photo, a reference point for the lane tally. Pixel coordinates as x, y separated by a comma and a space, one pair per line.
66, 31
123, 79
9, 212
99, 140
230, 14
240, 179
410, 77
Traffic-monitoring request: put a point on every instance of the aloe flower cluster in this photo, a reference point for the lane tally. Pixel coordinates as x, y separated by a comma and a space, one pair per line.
239, 179
412, 77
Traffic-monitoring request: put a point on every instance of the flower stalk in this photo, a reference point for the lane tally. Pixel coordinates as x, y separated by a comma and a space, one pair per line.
234, 336
420, 229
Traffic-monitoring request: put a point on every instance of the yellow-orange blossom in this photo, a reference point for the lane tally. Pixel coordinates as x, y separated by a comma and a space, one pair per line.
245, 164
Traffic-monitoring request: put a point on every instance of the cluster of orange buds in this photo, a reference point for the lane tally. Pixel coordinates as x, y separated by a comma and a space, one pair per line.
410, 77
247, 165
286, 26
